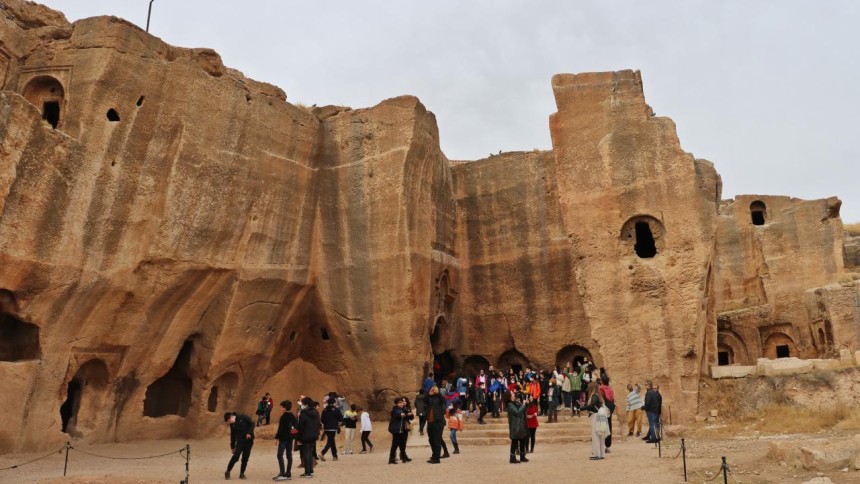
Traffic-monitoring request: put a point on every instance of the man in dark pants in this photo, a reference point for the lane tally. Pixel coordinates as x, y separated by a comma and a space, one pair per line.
241, 441
331, 419
285, 436
481, 401
435, 423
653, 408
309, 431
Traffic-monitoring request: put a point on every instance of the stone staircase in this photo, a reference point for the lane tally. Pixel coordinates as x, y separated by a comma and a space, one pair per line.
495, 432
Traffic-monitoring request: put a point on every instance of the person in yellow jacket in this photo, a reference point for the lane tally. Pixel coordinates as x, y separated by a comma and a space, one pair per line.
455, 423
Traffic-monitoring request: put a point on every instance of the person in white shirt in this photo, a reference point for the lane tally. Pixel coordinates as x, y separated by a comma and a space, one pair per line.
366, 428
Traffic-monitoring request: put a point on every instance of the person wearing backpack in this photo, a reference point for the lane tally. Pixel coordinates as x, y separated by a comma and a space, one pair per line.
262, 408
609, 399
594, 405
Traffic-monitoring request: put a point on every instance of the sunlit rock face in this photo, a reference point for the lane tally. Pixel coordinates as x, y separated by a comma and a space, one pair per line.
176, 239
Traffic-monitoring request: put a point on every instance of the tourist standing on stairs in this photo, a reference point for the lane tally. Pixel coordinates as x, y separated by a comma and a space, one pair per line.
284, 436
421, 410
331, 419
481, 402
455, 423
532, 424
553, 401
565, 389
575, 378
397, 428
592, 406
634, 410
517, 428
241, 441
609, 400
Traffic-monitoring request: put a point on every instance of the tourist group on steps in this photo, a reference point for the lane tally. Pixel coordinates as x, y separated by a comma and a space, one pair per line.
524, 395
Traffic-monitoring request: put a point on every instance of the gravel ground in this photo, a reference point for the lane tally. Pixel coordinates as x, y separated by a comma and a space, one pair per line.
630, 461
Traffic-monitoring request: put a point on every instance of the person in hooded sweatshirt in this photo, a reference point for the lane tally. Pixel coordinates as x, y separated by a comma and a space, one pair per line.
309, 431
241, 441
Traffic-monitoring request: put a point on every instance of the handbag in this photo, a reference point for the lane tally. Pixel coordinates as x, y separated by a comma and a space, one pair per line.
602, 426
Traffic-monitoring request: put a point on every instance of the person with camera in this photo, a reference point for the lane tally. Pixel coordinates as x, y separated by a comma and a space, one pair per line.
435, 424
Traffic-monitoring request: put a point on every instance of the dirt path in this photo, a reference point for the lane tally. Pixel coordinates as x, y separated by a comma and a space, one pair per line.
631, 461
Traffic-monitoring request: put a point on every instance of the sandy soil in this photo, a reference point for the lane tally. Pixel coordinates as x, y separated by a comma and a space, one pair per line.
631, 461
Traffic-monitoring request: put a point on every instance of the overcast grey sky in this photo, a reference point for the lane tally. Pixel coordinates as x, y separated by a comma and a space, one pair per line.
764, 89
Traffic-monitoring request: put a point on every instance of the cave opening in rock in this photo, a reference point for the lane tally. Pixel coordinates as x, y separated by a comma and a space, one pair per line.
83, 395
140, 101
782, 351
512, 359
51, 113
171, 394
324, 334
758, 212
645, 246
723, 358
19, 340
572, 355
474, 364
69, 408
444, 366
212, 402
112, 115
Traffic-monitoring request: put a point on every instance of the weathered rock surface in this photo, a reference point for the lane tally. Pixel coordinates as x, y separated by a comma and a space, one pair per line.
816, 454
176, 238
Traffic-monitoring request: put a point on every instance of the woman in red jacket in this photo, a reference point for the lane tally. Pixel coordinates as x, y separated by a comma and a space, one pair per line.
532, 422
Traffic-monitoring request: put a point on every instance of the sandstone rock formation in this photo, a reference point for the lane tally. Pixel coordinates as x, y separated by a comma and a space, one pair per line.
176, 238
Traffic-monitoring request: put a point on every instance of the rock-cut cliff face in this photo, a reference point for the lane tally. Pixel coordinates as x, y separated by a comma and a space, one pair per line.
176, 239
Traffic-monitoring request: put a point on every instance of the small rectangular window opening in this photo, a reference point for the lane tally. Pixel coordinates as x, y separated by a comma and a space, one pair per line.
757, 217
782, 351
51, 113
723, 358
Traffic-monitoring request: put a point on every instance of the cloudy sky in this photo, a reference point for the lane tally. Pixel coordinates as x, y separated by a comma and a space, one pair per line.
763, 89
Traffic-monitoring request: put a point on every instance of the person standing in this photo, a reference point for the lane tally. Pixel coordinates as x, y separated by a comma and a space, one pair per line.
653, 408
285, 435
532, 423
518, 428
421, 410
397, 428
575, 378
455, 423
592, 406
269, 404
435, 423
481, 402
565, 389
262, 408
241, 441
331, 419
407, 426
366, 428
634, 410
309, 431
349, 423
609, 400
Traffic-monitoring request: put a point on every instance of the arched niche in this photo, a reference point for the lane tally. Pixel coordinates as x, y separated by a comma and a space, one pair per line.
473, 364
86, 394
731, 348
758, 212
644, 236
171, 394
48, 95
512, 359
439, 337
222, 394
572, 355
779, 345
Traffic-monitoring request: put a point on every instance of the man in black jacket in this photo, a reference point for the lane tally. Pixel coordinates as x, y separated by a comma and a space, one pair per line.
285, 437
653, 408
331, 419
309, 431
481, 401
435, 423
241, 441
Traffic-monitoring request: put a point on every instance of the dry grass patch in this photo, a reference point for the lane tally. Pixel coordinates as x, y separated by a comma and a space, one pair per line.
853, 229
798, 420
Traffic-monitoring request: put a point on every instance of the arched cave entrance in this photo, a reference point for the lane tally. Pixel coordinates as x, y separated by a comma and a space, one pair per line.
758, 212
473, 364
171, 394
645, 234
19, 340
223, 392
572, 355
444, 366
47, 94
84, 394
731, 349
512, 359
779, 345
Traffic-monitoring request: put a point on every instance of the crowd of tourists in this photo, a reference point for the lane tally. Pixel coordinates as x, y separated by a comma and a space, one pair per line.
580, 389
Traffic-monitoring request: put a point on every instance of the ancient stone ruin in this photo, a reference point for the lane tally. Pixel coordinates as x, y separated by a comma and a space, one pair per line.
176, 238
